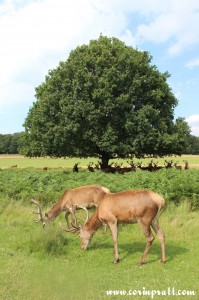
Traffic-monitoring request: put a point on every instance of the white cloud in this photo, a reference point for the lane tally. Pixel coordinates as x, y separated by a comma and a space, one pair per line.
50, 26
193, 63
36, 34
177, 21
30, 29
37, 28
193, 121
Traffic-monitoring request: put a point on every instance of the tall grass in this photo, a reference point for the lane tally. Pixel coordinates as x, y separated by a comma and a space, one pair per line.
47, 186
49, 264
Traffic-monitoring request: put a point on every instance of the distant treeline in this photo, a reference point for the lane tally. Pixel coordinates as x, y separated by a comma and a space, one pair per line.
14, 143
11, 143
193, 145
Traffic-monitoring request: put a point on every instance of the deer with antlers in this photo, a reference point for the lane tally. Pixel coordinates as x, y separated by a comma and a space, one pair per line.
86, 196
90, 167
141, 206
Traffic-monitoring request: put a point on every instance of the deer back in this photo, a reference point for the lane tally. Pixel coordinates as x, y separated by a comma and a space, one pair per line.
86, 196
128, 206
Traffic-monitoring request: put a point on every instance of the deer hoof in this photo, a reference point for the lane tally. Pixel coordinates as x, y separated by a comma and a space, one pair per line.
140, 263
162, 261
116, 261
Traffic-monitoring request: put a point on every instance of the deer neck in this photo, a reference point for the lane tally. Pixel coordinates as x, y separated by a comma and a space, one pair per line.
54, 211
93, 223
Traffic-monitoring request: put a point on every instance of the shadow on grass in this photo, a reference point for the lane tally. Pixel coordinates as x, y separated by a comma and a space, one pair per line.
128, 249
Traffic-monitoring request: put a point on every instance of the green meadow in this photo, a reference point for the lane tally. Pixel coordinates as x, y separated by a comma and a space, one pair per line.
39, 263
7, 161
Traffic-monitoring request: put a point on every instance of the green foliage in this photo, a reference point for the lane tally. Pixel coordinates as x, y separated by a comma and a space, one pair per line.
193, 145
47, 187
106, 100
11, 143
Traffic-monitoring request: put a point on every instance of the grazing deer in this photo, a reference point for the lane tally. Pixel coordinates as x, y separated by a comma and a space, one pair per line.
72, 199
141, 206
75, 168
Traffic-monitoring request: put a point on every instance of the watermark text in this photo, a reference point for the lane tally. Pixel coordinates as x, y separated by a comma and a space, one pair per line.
152, 293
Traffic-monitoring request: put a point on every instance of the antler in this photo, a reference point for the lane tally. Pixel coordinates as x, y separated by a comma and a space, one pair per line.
39, 211
72, 230
87, 215
79, 226
75, 227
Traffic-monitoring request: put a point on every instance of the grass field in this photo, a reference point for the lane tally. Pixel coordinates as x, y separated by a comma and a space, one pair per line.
49, 264
7, 161
45, 264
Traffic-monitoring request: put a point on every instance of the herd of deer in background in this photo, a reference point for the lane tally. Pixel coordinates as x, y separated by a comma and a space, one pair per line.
115, 167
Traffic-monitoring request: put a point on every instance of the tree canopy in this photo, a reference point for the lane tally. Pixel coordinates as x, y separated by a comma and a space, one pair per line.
106, 100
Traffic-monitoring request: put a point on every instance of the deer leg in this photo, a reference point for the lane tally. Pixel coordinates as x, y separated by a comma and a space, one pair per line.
74, 220
114, 232
66, 217
71, 211
149, 240
105, 228
161, 237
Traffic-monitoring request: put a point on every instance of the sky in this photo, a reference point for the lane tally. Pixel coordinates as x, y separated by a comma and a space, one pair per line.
35, 35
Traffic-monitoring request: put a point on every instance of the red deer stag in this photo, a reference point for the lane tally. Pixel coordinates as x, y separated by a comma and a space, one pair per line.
127, 169
133, 206
108, 169
90, 167
72, 199
168, 164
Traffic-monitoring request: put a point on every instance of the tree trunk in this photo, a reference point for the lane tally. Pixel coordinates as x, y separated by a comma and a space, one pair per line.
105, 159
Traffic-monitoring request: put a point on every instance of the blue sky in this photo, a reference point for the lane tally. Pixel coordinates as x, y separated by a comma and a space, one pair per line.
36, 35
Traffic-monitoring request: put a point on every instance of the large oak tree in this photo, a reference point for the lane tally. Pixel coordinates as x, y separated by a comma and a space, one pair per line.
106, 100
